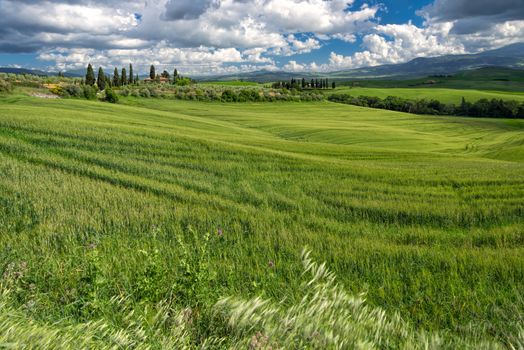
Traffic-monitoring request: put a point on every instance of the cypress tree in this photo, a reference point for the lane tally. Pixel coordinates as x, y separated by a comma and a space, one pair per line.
464, 109
136, 79
108, 81
131, 76
333, 85
123, 77
175, 76
152, 73
116, 78
90, 75
101, 80
312, 83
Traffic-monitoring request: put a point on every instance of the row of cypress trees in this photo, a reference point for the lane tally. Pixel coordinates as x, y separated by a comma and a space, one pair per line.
303, 84
102, 80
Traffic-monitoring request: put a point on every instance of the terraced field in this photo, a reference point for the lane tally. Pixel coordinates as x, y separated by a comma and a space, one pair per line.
97, 201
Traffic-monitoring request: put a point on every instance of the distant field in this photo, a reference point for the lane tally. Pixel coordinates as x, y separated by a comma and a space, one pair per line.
485, 79
231, 83
442, 95
425, 213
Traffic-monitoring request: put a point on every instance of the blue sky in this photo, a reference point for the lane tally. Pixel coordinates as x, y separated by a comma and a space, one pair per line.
228, 36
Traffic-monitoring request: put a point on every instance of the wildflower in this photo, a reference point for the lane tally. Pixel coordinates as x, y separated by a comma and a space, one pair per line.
30, 304
271, 264
188, 316
259, 341
9, 270
12, 272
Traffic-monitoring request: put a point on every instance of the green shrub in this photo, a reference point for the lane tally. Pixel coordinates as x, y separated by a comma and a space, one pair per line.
124, 92
90, 92
58, 90
229, 96
111, 96
183, 81
144, 93
5, 86
153, 92
74, 91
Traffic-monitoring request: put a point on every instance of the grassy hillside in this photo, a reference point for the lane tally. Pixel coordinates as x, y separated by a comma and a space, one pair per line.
442, 95
184, 202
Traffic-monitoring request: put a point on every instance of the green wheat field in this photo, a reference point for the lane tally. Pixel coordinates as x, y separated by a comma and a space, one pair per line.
123, 225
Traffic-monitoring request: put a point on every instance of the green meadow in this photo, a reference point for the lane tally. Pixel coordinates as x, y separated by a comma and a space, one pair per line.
444, 95
156, 204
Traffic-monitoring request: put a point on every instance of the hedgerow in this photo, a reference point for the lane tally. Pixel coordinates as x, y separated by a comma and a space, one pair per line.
494, 108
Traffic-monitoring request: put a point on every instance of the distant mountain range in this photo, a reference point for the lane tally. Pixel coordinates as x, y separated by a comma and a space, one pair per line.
23, 71
72, 74
511, 56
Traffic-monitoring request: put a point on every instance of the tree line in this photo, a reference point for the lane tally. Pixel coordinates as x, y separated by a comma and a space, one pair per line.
122, 77
302, 84
494, 108
102, 80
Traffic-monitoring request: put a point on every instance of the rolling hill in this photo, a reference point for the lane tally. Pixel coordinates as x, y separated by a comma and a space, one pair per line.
109, 212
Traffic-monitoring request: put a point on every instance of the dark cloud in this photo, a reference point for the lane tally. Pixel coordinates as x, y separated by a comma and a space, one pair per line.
73, 2
186, 9
191, 9
449, 10
30, 26
472, 16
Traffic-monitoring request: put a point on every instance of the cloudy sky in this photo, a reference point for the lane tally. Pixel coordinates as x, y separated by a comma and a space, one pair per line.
228, 36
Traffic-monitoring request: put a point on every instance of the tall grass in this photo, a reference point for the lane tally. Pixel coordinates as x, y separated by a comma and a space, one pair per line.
328, 317
102, 201
162, 328
325, 316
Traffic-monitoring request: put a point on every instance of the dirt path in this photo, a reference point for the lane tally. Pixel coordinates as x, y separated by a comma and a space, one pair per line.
41, 95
